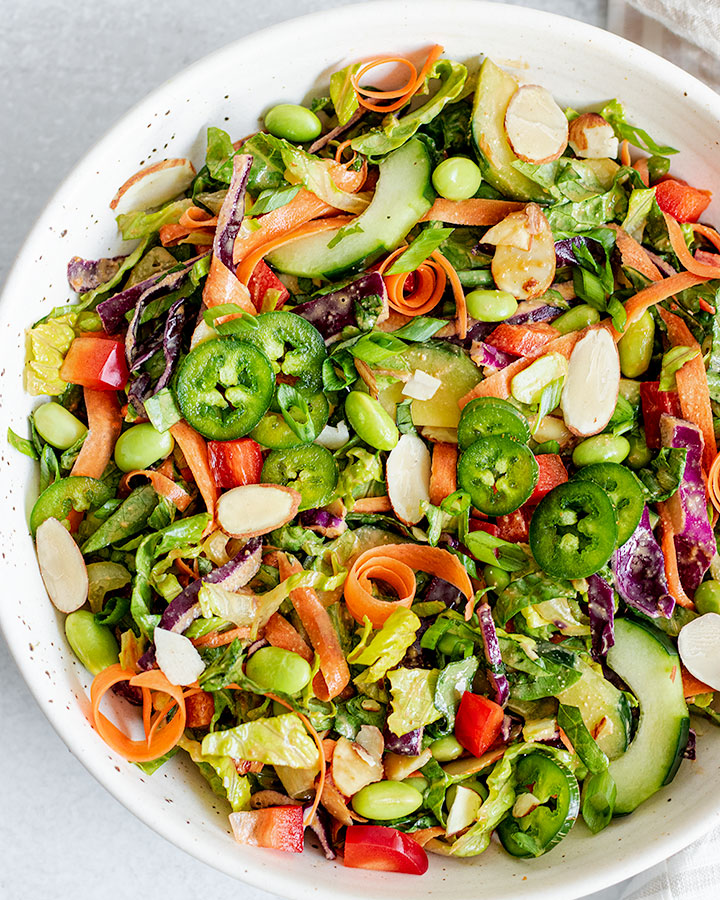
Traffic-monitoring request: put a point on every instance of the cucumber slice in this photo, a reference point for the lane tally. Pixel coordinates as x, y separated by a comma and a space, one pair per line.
402, 197
495, 156
597, 699
649, 664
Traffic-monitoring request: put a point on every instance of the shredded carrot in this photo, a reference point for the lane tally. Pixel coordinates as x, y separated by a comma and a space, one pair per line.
223, 286
321, 755
250, 260
680, 248
280, 633
401, 95
222, 638
655, 293
625, 153
429, 286
334, 674
394, 564
193, 221
104, 426
671, 567
163, 485
461, 316
566, 740
423, 835
641, 167
634, 255
372, 505
705, 306
443, 475
692, 686
158, 740
195, 451
692, 386
476, 211
707, 232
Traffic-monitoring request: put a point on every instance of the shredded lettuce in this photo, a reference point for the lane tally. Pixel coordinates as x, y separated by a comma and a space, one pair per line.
387, 647
221, 774
342, 93
413, 693
672, 362
139, 224
639, 206
277, 740
238, 608
363, 471
47, 344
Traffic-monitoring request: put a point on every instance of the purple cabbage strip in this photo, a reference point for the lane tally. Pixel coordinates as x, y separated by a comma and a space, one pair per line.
444, 592
601, 608
487, 355
639, 570
409, 744
322, 522
257, 645
87, 274
320, 824
149, 347
138, 392
690, 748
232, 211
565, 255
330, 313
172, 341
132, 336
694, 540
495, 664
480, 330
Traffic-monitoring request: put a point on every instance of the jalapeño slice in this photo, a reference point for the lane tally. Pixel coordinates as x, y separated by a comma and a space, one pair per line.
294, 347
224, 387
499, 474
554, 788
310, 470
573, 531
484, 416
273, 430
624, 491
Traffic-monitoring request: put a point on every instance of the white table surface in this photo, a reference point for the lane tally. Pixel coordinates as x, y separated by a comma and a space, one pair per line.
68, 70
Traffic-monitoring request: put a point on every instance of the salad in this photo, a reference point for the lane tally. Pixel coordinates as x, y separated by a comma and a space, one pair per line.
381, 475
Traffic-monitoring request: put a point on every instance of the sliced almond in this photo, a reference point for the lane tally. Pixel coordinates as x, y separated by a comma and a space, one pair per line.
398, 766
697, 645
591, 387
525, 273
463, 810
407, 474
592, 137
203, 332
62, 566
439, 435
535, 125
352, 771
551, 428
421, 386
177, 657
153, 186
254, 509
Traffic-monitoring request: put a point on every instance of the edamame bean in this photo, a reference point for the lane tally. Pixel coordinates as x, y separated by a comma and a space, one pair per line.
456, 178
601, 448
276, 669
576, 318
491, 306
640, 454
707, 597
386, 800
370, 421
293, 122
94, 645
419, 782
141, 446
446, 748
496, 578
57, 425
636, 346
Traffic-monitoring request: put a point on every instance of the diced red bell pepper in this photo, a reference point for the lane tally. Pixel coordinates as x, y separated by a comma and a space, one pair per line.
552, 473
523, 340
514, 526
97, 363
478, 722
234, 463
680, 200
480, 525
654, 403
275, 827
383, 849
262, 280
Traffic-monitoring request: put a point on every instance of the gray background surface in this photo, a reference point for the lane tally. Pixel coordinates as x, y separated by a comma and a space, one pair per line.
68, 70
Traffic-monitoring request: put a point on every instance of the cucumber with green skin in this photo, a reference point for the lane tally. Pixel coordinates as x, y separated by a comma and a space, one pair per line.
402, 197
648, 663
494, 91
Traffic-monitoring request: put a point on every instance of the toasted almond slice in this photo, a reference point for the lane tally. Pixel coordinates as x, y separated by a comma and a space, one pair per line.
421, 386
463, 810
593, 380
254, 509
153, 186
525, 273
592, 137
512, 231
535, 125
407, 474
351, 769
177, 657
62, 566
697, 645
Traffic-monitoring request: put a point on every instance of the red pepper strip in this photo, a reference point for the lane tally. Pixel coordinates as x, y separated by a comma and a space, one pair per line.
478, 722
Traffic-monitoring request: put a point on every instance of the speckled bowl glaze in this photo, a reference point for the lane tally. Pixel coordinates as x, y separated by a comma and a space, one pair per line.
581, 65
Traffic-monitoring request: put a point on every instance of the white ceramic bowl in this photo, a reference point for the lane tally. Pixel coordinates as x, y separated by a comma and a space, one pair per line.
581, 65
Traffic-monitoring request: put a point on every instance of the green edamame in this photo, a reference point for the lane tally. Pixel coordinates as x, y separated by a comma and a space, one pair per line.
636, 346
491, 306
94, 645
446, 748
418, 782
58, 426
707, 597
456, 178
141, 446
575, 319
386, 800
497, 579
370, 421
601, 448
293, 122
276, 669
640, 454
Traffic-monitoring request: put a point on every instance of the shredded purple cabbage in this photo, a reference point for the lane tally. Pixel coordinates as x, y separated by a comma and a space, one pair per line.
486, 355
320, 824
409, 744
495, 665
480, 330
88, 274
690, 748
601, 608
442, 591
322, 522
232, 211
565, 255
639, 570
330, 313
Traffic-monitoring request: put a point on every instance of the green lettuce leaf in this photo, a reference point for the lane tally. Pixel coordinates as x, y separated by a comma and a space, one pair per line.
453, 681
614, 113
47, 344
221, 774
422, 246
241, 609
663, 476
413, 693
342, 93
363, 471
571, 722
639, 206
528, 590
387, 647
584, 214
278, 740
139, 224
219, 154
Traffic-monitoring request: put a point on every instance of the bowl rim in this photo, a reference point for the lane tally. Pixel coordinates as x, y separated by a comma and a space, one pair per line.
572, 30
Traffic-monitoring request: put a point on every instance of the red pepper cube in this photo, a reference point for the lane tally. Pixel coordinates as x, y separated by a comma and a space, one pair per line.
97, 363
275, 828
654, 403
523, 340
514, 526
383, 849
478, 723
234, 463
552, 473
681, 201
262, 280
